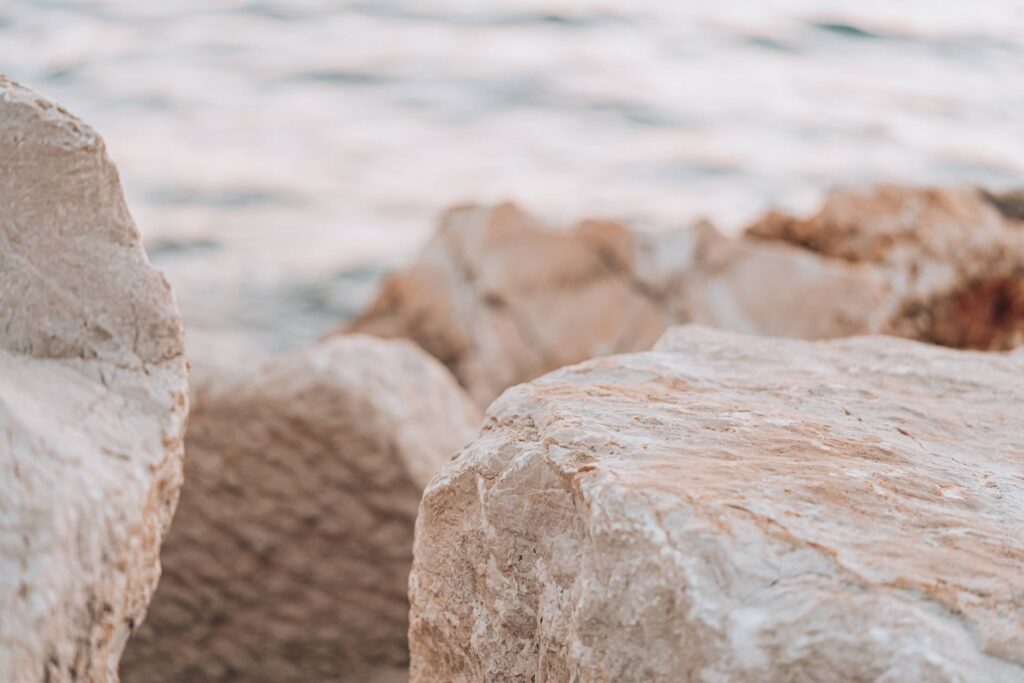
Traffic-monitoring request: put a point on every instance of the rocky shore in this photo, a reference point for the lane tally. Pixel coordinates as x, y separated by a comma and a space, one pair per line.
739, 501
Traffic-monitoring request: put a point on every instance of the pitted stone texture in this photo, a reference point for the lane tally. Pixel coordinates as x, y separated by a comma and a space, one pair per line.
955, 257
93, 399
501, 299
729, 508
289, 556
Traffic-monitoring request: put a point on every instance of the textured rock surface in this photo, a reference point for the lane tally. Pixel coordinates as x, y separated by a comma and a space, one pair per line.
955, 257
289, 555
501, 299
734, 509
93, 399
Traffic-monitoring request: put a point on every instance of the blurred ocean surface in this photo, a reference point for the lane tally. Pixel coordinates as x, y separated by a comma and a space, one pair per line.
279, 155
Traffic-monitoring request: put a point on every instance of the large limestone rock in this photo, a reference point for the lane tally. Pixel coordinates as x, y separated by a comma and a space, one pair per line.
93, 400
955, 257
501, 299
289, 556
728, 508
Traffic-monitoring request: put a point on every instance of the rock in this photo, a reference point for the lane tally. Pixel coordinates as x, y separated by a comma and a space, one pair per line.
729, 508
289, 556
501, 299
955, 257
772, 289
93, 400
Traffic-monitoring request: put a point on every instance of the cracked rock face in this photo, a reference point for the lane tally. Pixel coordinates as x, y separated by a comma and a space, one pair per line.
93, 401
954, 257
501, 299
289, 556
734, 509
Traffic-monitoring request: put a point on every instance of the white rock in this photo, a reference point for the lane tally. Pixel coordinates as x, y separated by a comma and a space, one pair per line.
501, 299
93, 399
730, 508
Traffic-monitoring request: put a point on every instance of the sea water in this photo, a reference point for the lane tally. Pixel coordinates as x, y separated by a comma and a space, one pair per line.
279, 155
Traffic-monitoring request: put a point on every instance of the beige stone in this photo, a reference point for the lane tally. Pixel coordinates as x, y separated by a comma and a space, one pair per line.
93, 399
501, 299
729, 508
955, 257
289, 555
